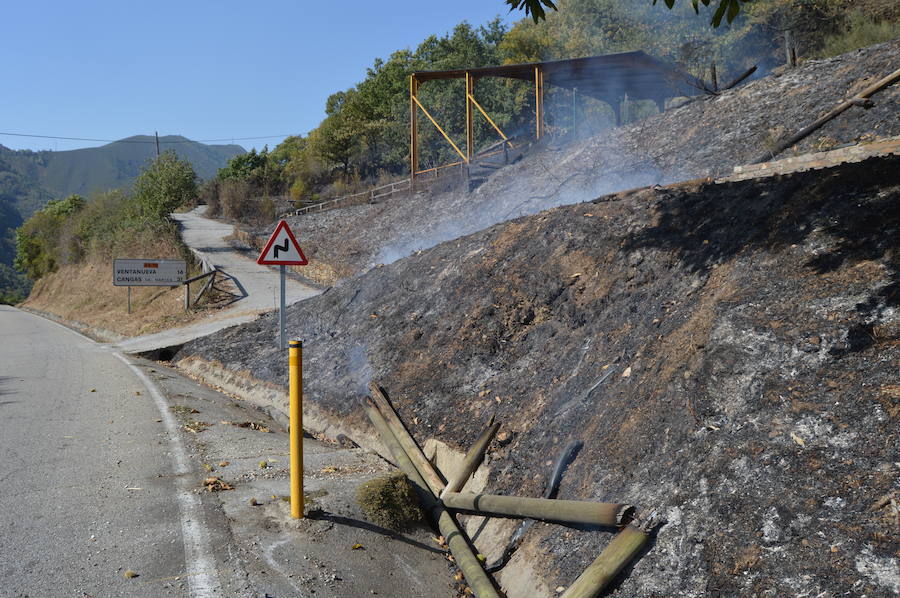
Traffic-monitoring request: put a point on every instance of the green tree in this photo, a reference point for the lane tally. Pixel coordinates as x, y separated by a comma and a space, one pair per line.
244, 167
729, 9
535, 8
42, 243
163, 186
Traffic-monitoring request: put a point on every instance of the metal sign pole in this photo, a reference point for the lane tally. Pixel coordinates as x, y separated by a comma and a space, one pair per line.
281, 325
282, 250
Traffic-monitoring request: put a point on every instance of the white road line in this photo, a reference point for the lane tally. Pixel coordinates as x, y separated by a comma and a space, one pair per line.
201, 569
200, 566
269, 554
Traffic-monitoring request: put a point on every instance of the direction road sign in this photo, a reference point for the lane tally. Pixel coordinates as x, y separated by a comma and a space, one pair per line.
148, 273
282, 249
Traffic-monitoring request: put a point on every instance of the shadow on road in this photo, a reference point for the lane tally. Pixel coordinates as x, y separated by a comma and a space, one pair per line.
365, 525
4, 382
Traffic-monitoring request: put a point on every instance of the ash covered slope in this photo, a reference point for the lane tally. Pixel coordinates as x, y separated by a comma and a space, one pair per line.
704, 138
747, 336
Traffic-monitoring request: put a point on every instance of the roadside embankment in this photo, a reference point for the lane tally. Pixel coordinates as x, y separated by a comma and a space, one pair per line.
726, 352
84, 293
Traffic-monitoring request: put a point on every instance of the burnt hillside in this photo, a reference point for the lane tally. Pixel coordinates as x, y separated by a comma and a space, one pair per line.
706, 137
728, 354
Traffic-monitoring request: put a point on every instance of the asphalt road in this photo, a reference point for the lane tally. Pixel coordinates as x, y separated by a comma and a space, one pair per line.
94, 477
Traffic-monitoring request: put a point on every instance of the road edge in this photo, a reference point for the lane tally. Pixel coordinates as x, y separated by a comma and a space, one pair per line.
202, 576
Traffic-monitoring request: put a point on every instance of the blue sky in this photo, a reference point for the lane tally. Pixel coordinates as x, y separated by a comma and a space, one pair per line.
198, 68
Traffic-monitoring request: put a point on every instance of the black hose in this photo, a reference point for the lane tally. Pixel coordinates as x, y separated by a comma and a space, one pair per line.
567, 455
562, 462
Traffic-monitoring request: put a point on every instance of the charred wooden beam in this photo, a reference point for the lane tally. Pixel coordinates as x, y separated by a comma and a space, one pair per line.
435, 482
805, 131
737, 80
546, 509
471, 567
473, 459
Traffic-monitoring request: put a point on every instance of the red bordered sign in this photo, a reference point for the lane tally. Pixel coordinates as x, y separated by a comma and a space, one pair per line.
282, 249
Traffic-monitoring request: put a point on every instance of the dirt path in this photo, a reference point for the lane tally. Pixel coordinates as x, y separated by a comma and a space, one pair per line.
258, 283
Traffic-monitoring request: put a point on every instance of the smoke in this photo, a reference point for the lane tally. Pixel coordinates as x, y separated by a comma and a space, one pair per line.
600, 158
359, 369
527, 189
546, 177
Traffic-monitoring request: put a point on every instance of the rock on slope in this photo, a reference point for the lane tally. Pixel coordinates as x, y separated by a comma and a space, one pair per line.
703, 138
728, 354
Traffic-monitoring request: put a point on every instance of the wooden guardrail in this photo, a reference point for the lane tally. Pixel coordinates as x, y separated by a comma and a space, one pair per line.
405, 185
211, 276
210, 272
371, 195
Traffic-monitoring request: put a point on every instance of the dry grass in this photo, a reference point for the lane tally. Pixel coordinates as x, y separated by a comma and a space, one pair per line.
390, 501
85, 293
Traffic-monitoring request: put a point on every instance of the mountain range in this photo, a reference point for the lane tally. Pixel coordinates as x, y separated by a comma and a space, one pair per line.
28, 180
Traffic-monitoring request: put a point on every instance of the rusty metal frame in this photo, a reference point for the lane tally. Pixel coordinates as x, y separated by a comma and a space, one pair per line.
470, 128
538, 102
439, 128
607, 78
415, 105
488, 118
413, 130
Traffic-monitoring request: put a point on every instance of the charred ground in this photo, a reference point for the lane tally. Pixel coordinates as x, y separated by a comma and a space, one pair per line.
727, 353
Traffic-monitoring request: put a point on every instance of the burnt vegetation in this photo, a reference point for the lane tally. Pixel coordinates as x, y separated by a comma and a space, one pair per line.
727, 354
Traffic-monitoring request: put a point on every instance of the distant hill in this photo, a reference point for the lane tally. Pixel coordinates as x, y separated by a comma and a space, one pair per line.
28, 180
115, 165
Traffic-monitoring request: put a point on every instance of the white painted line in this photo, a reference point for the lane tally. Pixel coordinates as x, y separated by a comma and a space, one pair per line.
203, 580
201, 571
269, 554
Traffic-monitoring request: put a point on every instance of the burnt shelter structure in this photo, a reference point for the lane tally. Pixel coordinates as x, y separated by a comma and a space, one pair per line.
609, 78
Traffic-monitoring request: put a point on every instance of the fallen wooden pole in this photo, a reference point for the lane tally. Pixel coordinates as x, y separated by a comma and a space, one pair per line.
562, 462
473, 459
546, 509
805, 131
740, 78
618, 553
423, 466
459, 546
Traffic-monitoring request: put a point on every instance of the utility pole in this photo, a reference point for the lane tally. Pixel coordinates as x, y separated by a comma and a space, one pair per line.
157, 143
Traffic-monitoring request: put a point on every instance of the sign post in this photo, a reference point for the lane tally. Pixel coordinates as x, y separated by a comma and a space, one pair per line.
147, 273
282, 326
282, 250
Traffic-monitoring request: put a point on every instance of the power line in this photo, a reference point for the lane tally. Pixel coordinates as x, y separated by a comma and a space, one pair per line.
143, 141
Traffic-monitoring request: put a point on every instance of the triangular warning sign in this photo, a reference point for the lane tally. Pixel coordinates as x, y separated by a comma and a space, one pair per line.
282, 248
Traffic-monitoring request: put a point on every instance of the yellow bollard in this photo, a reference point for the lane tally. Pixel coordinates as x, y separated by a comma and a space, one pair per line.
295, 369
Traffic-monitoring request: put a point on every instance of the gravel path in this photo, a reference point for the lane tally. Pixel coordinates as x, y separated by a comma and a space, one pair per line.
259, 284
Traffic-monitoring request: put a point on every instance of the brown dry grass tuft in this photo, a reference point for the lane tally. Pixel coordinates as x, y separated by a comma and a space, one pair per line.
389, 501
